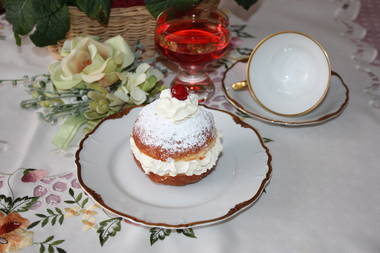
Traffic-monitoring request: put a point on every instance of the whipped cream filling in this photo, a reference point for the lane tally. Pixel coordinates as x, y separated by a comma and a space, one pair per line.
173, 167
176, 110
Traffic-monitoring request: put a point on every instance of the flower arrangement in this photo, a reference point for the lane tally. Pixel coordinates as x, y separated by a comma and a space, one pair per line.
92, 81
47, 22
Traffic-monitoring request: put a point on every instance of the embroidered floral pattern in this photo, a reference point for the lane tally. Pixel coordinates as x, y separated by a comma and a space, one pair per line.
13, 233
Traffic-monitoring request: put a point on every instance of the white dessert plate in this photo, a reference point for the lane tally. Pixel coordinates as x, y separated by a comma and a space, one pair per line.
288, 73
332, 106
107, 172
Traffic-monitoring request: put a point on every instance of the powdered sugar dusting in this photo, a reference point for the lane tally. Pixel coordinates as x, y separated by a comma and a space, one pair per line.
156, 131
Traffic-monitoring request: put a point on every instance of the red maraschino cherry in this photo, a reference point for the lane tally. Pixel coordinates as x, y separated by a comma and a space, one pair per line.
179, 92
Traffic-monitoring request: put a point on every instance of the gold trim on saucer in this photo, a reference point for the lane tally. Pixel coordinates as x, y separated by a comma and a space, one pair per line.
251, 91
321, 119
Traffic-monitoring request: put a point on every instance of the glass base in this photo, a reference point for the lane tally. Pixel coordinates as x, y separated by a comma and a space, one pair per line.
199, 84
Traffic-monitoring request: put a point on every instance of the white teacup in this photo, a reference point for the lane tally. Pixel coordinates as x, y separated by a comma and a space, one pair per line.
288, 73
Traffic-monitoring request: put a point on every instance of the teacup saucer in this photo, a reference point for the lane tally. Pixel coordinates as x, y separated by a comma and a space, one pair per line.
331, 107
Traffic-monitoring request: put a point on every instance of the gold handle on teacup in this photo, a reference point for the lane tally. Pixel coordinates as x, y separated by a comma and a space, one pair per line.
239, 85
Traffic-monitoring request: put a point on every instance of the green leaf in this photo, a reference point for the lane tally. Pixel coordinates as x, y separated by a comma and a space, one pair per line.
84, 202
48, 239
266, 140
244, 51
42, 248
244, 35
26, 171
23, 204
53, 24
149, 84
97, 9
57, 242
32, 225
67, 132
155, 7
157, 89
158, 233
246, 4
51, 249
41, 215
60, 250
5, 204
18, 40
79, 197
61, 219
108, 228
50, 211
69, 201
59, 211
53, 221
44, 222
187, 232
20, 14
71, 192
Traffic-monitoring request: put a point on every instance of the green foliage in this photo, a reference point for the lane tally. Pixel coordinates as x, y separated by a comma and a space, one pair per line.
68, 130
266, 140
99, 9
5, 204
21, 14
51, 245
244, 51
158, 233
77, 199
161, 233
52, 24
155, 7
189, 232
50, 19
52, 215
239, 31
9, 205
108, 228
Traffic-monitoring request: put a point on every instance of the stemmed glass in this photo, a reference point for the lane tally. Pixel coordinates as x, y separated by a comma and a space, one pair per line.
193, 38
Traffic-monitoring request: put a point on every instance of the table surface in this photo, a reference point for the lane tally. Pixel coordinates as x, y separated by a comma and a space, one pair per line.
324, 195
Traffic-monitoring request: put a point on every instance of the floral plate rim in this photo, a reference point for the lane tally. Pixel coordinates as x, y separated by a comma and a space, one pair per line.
319, 120
231, 212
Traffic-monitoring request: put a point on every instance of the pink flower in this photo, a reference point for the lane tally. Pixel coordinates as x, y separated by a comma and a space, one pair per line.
39, 191
32, 175
59, 187
75, 184
53, 199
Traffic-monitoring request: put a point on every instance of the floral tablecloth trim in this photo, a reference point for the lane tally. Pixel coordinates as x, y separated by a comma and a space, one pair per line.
51, 203
365, 54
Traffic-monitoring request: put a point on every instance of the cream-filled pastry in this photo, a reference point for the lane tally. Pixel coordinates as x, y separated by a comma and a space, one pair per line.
174, 140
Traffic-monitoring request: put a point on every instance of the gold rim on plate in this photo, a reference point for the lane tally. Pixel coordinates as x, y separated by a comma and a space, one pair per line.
231, 212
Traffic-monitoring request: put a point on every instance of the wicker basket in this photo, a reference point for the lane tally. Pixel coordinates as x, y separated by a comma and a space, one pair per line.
133, 23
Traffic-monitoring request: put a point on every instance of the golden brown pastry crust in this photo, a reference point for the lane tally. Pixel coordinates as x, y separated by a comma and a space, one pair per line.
159, 153
178, 180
